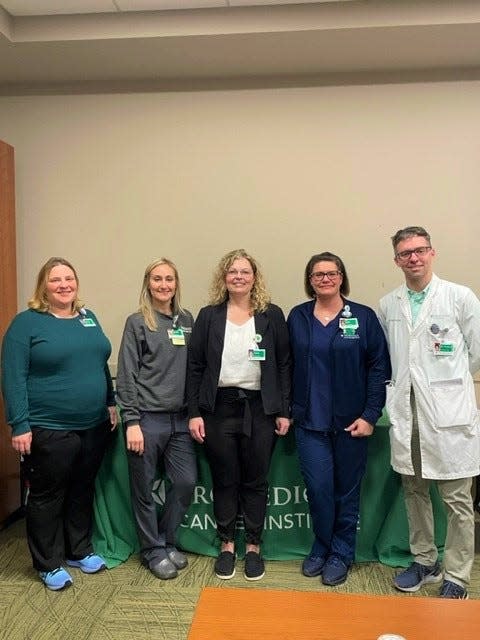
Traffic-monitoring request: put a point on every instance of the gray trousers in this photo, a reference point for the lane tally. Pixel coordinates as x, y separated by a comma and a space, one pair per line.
168, 445
457, 498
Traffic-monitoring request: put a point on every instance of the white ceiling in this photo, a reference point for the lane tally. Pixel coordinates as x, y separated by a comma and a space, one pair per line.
66, 7
128, 45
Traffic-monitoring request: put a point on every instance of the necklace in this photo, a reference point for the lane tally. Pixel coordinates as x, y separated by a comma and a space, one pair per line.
327, 315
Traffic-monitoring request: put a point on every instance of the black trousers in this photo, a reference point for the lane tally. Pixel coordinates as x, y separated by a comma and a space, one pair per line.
168, 444
61, 472
239, 460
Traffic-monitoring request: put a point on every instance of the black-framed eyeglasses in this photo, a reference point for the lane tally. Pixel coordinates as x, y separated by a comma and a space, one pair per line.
321, 275
407, 254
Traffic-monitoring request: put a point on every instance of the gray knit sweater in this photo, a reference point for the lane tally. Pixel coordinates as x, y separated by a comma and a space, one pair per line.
151, 370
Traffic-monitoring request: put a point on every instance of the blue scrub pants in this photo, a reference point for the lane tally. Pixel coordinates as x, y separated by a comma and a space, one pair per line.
333, 464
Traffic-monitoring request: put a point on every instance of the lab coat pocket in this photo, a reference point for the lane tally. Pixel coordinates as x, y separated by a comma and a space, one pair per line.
390, 403
452, 404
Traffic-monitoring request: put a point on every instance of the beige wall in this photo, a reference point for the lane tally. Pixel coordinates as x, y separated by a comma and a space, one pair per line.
112, 181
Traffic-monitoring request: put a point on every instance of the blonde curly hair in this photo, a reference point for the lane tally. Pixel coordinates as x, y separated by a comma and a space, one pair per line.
259, 296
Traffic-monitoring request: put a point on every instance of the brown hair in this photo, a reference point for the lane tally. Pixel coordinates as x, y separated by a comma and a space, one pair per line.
409, 232
326, 256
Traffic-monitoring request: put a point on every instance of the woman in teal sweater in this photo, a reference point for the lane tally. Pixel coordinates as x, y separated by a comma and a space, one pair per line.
60, 405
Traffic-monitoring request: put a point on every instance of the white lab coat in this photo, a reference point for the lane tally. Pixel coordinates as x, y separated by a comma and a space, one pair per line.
448, 418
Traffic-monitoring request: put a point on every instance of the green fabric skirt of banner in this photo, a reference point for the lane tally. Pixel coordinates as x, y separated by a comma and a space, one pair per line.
382, 527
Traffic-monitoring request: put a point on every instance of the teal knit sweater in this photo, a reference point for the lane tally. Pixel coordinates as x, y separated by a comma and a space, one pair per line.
55, 373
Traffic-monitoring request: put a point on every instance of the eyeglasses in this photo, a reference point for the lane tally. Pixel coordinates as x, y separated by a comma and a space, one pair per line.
403, 256
320, 275
243, 273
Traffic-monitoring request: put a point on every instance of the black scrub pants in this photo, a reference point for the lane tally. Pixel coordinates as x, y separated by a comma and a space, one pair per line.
61, 471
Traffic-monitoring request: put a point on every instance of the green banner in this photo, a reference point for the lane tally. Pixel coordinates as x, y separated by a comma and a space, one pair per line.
382, 528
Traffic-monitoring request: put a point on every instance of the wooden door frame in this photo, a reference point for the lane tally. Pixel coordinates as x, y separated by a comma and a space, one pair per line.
10, 492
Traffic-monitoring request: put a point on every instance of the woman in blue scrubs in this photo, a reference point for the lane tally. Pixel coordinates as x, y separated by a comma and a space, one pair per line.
341, 364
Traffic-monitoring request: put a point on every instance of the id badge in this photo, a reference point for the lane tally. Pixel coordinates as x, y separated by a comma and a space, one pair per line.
443, 348
88, 322
257, 355
349, 327
348, 323
177, 337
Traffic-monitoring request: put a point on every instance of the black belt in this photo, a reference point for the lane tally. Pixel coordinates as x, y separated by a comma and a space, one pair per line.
237, 394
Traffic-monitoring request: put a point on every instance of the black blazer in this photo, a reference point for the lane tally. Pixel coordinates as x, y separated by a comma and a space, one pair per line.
205, 360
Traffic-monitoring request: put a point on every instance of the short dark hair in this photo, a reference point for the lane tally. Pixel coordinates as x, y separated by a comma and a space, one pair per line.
409, 232
326, 256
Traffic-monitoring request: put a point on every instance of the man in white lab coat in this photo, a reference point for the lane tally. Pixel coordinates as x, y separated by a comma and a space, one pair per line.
433, 330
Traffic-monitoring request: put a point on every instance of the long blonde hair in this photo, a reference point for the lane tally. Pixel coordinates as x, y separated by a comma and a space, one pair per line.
146, 306
259, 296
39, 300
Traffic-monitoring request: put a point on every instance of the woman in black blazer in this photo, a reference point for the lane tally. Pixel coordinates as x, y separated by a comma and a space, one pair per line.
238, 391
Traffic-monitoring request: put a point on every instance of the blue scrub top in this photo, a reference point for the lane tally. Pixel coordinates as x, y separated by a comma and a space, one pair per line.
319, 414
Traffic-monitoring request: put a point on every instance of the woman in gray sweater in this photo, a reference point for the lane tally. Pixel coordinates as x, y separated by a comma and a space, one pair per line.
151, 374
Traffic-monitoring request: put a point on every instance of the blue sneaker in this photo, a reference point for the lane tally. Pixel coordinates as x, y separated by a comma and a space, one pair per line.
90, 564
416, 576
312, 566
334, 572
453, 591
56, 579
